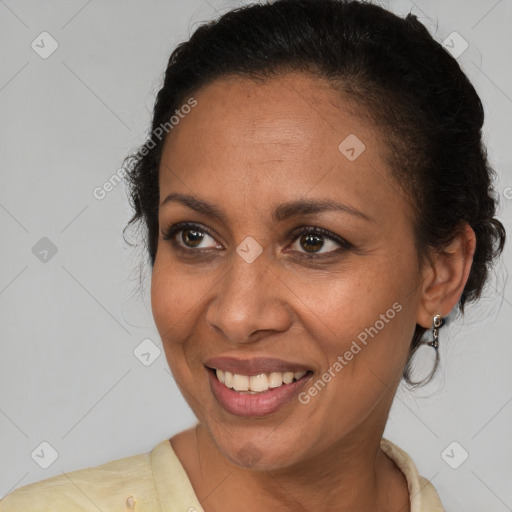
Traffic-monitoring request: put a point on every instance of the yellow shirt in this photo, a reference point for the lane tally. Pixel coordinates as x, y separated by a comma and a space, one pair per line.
157, 482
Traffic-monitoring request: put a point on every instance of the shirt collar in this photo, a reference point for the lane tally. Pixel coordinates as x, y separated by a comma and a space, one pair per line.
175, 490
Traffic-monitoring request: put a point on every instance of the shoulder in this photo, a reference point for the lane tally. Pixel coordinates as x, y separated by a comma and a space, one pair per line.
104, 487
423, 495
429, 495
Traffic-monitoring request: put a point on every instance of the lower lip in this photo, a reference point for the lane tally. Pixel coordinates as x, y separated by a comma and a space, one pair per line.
260, 404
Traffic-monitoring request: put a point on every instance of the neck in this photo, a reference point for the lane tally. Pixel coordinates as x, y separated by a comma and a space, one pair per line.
353, 475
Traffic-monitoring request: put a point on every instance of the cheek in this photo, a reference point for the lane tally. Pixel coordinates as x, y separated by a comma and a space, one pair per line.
164, 301
367, 318
368, 331
363, 354
173, 298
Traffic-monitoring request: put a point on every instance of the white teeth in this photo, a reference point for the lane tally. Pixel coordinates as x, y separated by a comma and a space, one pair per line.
240, 382
275, 379
288, 377
257, 383
228, 379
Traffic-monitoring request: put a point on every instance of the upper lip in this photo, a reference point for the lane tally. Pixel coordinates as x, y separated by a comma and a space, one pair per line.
254, 366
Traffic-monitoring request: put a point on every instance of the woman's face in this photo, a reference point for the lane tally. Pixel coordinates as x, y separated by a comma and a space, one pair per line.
248, 284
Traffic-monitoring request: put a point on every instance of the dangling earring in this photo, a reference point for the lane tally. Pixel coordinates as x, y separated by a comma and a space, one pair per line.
437, 323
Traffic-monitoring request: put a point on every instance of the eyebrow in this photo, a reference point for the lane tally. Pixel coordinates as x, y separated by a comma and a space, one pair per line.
282, 212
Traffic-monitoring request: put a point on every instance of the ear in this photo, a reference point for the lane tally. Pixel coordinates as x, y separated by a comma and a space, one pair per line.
445, 276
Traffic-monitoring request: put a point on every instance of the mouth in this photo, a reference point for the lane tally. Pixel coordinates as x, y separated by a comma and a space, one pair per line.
257, 384
259, 395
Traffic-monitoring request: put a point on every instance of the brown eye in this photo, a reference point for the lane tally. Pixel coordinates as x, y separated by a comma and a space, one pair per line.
311, 241
191, 236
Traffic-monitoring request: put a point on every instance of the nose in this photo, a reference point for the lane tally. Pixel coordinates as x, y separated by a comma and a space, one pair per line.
250, 301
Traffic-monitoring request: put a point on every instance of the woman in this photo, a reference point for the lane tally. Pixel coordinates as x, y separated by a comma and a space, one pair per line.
316, 199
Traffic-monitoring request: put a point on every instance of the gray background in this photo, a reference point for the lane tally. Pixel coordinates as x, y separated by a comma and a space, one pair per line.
70, 324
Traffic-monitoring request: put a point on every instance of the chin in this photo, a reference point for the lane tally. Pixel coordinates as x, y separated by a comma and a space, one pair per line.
267, 455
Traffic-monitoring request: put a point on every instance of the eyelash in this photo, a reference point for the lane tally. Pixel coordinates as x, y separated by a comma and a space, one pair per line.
170, 233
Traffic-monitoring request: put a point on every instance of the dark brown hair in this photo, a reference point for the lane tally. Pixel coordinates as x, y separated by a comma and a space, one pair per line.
394, 70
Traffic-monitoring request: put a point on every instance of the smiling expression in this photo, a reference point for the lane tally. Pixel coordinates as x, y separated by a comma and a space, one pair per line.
289, 251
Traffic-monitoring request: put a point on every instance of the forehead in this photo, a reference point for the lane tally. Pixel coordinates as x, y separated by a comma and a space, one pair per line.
264, 137
294, 112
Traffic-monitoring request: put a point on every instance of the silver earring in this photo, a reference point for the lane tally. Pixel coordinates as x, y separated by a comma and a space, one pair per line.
436, 324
